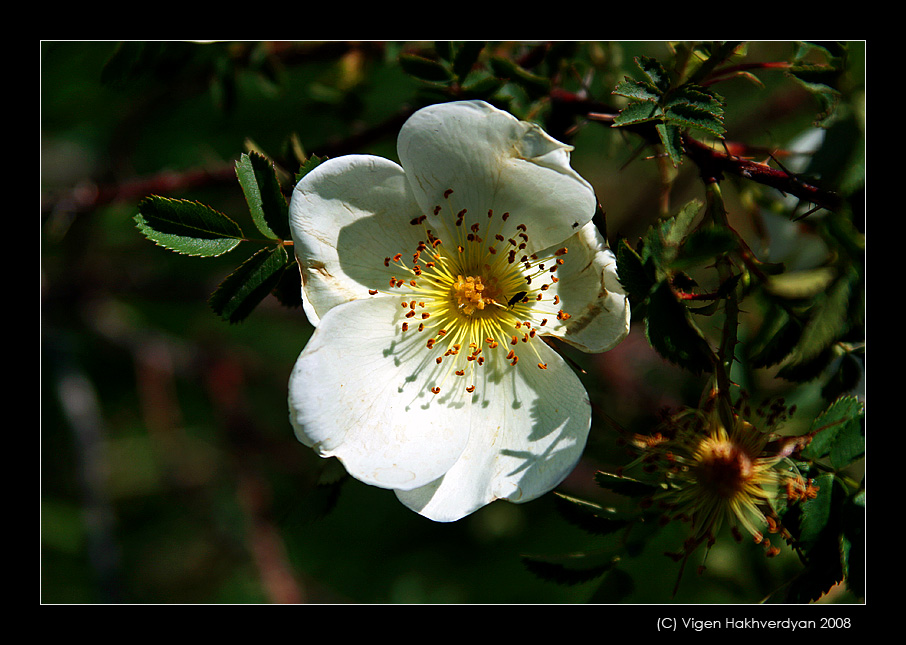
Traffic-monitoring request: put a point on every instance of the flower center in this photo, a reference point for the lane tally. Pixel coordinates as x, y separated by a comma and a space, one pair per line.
475, 294
471, 293
723, 468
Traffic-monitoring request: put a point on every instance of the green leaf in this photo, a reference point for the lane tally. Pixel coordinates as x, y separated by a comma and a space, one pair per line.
828, 321
310, 164
614, 588
187, 227
705, 245
638, 112
635, 277
775, 339
533, 84
672, 333
423, 68
264, 196
588, 516
638, 90
444, 49
853, 516
691, 116
570, 569
697, 97
672, 142
249, 284
466, 57
796, 285
839, 435
662, 240
483, 88
625, 485
655, 72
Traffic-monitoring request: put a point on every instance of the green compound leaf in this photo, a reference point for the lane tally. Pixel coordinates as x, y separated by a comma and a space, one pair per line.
264, 196
249, 284
672, 109
187, 227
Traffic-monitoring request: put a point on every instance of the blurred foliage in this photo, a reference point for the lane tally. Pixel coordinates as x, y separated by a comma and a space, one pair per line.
731, 179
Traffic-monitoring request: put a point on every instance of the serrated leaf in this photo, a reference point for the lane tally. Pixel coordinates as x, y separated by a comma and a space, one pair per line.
310, 164
249, 284
638, 112
675, 229
696, 96
187, 227
655, 72
691, 116
816, 514
838, 433
264, 196
670, 138
672, 333
638, 90
635, 277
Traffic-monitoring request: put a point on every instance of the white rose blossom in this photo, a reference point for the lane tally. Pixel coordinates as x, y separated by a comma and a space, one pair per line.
431, 285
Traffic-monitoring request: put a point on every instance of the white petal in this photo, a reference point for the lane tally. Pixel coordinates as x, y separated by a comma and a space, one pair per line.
591, 294
360, 392
492, 160
522, 443
346, 216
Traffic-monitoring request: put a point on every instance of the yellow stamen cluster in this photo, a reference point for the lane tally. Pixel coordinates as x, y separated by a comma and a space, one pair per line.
472, 289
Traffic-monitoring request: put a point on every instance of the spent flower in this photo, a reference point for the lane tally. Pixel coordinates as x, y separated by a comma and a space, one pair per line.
722, 468
432, 284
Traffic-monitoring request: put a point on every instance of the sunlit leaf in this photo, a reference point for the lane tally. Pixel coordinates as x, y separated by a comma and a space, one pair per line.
187, 227
264, 196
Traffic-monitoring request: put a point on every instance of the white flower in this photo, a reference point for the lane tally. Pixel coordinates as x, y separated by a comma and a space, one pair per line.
430, 285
